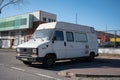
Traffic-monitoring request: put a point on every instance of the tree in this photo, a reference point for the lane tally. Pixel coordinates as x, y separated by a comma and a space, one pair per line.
4, 3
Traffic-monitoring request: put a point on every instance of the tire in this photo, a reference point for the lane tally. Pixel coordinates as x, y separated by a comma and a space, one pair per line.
48, 61
27, 63
91, 57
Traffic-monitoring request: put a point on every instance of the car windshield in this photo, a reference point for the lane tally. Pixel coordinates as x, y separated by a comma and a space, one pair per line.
43, 34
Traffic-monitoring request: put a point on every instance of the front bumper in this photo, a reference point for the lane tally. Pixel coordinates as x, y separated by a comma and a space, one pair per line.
29, 59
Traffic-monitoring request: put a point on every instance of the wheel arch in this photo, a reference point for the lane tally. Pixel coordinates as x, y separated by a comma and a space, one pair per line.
92, 52
51, 54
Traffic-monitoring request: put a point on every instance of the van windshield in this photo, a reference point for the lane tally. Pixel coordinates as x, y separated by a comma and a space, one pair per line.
43, 34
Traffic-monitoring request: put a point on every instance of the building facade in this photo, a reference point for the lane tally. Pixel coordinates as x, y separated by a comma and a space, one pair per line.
17, 29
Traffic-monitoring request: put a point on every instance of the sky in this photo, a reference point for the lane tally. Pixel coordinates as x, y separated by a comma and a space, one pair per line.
101, 14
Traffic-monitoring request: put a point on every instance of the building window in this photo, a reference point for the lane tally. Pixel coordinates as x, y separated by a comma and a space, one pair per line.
24, 21
17, 22
69, 36
49, 20
4, 34
44, 19
24, 33
54, 20
58, 36
12, 34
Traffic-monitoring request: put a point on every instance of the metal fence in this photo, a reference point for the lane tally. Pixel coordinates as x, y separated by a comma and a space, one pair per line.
108, 39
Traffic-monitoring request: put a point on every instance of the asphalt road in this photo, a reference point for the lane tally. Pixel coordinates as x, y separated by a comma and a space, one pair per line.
12, 69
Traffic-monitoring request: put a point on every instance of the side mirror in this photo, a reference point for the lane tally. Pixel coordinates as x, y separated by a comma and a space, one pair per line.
54, 38
52, 41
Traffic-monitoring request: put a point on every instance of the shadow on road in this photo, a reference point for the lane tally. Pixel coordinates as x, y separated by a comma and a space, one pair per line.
67, 64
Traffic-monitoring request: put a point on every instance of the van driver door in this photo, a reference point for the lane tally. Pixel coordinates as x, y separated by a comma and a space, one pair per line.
59, 44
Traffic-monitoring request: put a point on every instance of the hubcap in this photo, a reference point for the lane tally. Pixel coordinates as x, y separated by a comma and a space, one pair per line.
49, 61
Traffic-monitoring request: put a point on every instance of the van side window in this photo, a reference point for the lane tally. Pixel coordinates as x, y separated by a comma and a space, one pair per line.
80, 37
58, 36
69, 36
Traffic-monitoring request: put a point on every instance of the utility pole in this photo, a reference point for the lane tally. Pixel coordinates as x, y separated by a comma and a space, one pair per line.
106, 28
106, 31
76, 18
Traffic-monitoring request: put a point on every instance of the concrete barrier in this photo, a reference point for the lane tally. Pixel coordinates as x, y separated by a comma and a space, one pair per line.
109, 50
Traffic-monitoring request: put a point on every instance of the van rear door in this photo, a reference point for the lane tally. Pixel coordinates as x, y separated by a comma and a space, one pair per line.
76, 45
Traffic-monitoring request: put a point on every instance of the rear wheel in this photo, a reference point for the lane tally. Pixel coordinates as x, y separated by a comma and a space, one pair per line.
27, 63
91, 57
48, 61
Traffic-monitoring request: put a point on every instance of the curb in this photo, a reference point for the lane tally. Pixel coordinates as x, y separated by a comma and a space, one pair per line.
70, 74
66, 74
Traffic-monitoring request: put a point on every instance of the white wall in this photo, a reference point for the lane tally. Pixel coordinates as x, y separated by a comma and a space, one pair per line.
109, 51
6, 43
47, 15
38, 15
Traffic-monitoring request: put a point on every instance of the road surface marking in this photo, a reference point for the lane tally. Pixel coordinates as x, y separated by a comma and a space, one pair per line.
17, 68
47, 76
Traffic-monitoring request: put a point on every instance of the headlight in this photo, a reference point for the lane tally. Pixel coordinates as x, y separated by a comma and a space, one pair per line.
18, 50
34, 50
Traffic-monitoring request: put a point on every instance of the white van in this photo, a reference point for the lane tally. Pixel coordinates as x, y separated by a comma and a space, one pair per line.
59, 40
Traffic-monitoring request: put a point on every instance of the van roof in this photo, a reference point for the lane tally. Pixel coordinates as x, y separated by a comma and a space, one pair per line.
65, 26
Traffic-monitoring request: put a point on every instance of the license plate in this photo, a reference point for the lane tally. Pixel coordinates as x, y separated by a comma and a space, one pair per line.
24, 59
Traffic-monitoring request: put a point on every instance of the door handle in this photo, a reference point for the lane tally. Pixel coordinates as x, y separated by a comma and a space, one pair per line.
64, 43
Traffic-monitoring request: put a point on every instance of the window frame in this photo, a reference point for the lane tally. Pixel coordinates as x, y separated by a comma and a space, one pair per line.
86, 39
54, 36
72, 36
49, 20
44, 19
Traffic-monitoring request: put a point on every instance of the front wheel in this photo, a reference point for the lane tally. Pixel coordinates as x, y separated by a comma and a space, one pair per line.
48, 61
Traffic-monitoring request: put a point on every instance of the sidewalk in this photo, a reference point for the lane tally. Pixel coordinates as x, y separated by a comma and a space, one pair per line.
91, 72
111, 69
7, 50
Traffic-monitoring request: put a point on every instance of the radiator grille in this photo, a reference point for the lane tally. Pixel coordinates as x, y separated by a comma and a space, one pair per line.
25, 51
